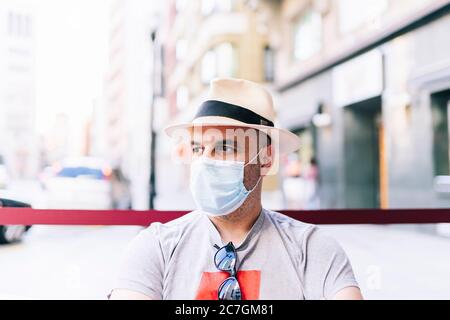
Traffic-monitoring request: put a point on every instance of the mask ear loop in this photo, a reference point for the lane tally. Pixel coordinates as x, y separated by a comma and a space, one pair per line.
253, 158
260, 177
257, 183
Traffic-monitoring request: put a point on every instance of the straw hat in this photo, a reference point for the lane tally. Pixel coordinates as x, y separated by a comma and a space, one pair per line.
241, 103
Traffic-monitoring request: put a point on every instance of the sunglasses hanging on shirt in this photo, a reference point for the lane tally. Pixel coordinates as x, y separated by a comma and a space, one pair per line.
225, 259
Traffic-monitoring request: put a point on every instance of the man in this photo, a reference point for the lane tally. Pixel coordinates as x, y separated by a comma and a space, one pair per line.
231, 248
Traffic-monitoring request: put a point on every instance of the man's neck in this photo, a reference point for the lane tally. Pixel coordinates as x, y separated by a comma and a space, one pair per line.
236, 225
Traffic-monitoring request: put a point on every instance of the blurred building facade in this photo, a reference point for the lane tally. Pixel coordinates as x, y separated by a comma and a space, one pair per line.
204, 40
18, 137
365, 84
56, 144
128, 92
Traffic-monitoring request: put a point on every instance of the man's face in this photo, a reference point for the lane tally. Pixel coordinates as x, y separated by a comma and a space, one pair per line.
227, 143
232, 144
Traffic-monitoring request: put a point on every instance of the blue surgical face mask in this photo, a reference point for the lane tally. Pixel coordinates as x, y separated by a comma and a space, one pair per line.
217, 186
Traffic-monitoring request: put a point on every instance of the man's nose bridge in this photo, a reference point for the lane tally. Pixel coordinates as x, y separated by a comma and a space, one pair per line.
208, 151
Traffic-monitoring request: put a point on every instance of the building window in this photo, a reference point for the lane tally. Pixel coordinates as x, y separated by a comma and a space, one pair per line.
307, 35
216, 6
181, 49
19, 25
224, 5
10, 23
354, 14
440, 115
182, 98
207, 7
225, 60
180, 5
28, 26
219, 62
208, 66
269, 61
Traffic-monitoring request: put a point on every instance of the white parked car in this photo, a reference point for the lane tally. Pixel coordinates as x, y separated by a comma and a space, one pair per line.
79, 183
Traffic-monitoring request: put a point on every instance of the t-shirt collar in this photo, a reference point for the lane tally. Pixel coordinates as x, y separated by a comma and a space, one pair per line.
253, 231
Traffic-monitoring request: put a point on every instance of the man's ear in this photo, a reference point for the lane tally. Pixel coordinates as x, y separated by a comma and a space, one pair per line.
181, 153
266, 160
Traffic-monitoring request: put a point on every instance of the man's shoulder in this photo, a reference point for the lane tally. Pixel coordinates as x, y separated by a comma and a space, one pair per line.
294, 231
305, 235
184, 219
176, 225
286, 222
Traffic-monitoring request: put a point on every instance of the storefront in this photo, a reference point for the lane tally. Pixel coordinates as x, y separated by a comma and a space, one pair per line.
386, 143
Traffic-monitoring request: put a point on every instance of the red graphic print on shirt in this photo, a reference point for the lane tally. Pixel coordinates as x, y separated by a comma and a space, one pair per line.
249, 281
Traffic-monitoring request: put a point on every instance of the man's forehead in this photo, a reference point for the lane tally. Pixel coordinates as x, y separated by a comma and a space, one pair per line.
210, 133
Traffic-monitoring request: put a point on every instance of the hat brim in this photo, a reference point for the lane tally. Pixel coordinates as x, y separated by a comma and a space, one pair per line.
285, 140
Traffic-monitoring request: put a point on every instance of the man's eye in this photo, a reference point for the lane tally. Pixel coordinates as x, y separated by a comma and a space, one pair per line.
197, 149
225, 148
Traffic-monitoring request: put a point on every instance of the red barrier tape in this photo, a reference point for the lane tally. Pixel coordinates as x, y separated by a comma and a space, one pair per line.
28, 216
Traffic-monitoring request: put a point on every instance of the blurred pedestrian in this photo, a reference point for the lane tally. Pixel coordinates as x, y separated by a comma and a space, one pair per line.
293, 183
312, 182
120, 191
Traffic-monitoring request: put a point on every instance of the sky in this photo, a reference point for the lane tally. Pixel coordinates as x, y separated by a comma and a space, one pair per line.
71, 59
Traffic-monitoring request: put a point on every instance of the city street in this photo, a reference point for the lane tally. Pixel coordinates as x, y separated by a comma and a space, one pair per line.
164, 105
81, 262
63, 262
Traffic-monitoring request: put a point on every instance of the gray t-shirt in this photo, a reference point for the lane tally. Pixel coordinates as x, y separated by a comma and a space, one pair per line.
280, 258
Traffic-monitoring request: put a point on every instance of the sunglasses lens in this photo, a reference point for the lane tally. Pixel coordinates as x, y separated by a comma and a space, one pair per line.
225, 259
230, 290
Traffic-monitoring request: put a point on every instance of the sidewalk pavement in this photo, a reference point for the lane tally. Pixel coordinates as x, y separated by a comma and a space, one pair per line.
394, 263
